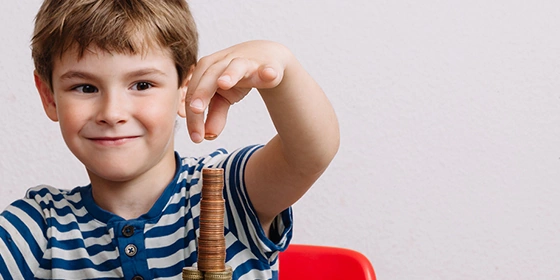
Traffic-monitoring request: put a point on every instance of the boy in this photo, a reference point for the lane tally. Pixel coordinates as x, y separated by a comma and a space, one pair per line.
115, 74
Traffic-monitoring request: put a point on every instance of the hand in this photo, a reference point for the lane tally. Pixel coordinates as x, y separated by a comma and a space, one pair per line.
224, 78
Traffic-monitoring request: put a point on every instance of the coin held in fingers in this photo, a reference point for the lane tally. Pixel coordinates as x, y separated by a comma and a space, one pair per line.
210, 136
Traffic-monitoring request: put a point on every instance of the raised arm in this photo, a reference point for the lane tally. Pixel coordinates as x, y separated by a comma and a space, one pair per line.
280, 173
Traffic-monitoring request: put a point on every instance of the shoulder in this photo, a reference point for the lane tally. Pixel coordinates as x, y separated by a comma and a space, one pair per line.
29, 217
45, 190
50, 201
45, 194
25, 224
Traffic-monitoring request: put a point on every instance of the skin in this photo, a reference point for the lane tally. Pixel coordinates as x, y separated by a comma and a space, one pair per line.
118, 120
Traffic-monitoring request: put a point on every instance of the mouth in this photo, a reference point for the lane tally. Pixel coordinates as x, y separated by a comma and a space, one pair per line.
113, 141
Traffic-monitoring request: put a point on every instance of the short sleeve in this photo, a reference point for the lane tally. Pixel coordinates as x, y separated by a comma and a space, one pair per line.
242, 220
22, 239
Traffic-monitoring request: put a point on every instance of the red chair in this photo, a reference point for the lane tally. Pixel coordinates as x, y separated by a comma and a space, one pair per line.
308, 262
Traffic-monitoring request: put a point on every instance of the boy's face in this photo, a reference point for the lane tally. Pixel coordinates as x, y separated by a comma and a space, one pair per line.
116, 111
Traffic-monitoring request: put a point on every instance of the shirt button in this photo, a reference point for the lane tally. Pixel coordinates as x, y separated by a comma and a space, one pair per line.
128, 231
137, 277
130, 250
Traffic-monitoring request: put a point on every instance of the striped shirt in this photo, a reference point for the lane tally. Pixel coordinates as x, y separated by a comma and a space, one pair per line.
60, 234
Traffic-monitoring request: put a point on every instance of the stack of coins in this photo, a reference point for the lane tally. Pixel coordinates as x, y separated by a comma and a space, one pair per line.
211, 240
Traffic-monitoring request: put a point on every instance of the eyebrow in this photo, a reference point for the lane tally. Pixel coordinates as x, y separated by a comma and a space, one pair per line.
145, 72
75, 74
137, 73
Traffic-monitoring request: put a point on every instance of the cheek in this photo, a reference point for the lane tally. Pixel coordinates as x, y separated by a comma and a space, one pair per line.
71, 121
159, 115
71, 116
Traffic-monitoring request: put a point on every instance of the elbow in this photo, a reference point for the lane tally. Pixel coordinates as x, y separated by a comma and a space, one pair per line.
325, 154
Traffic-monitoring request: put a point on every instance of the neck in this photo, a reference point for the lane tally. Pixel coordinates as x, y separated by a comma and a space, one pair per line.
131, 199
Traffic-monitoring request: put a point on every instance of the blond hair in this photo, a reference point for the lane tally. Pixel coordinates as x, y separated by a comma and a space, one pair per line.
121, 26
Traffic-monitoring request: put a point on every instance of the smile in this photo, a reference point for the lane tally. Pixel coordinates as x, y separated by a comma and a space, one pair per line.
113, 141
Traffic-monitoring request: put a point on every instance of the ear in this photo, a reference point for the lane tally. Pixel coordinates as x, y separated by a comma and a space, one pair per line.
47, 97
181, 111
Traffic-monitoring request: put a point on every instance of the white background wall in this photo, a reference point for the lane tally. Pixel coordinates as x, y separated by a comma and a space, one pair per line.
450, 121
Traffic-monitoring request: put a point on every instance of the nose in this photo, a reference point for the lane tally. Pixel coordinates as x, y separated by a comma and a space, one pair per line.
113, 108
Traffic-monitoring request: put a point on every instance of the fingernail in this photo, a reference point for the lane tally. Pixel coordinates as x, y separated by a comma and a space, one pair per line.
197, 104
195, 137
225, 78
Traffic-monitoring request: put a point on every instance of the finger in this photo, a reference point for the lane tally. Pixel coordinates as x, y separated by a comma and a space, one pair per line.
268, 74
237, 70
216, 118
195, 124
200, 69
203, 83
202, 88
244, 73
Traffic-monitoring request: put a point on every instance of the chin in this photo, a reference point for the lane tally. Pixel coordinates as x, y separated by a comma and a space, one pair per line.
112, 173
116, 177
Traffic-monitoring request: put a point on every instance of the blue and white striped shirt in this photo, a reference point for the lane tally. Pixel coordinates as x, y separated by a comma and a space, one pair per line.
59, 234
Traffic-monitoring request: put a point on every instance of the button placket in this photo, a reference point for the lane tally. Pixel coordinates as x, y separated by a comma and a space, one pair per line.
130, 240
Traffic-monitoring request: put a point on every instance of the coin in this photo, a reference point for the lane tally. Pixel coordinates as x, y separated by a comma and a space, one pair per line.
209, 172
211, 265
214, 250
225, 274
210, 224
191, 273
210, 136
211, 242
212, 204
215, 275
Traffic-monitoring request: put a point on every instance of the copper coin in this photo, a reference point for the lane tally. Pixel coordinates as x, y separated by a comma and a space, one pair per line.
214, 238
210, 225
212, 194
212, 253
212, 229
209, 242
205, 230
213, 203
211, 265
212, 235
212, 171
210, 136
206, 244
211, 211
211, 187
215, 218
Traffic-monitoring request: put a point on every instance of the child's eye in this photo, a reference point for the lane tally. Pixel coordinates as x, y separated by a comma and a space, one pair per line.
86, 89
142, 86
